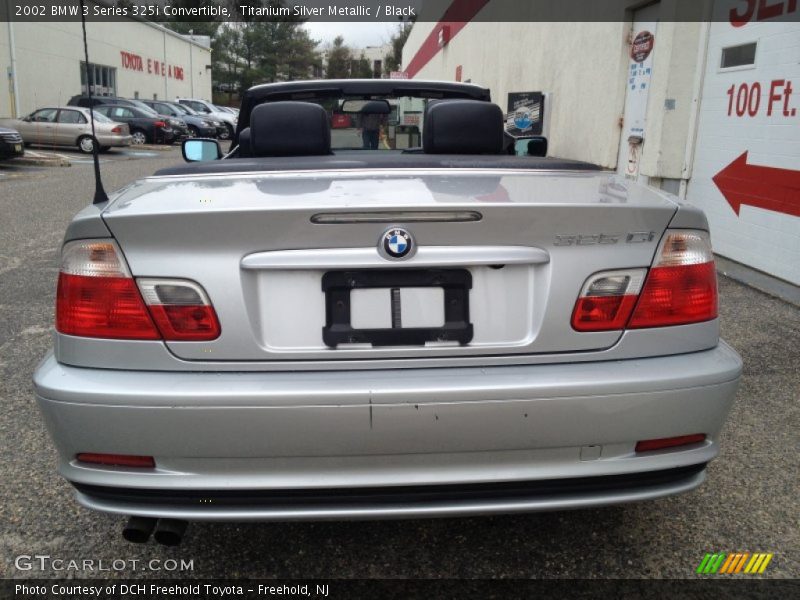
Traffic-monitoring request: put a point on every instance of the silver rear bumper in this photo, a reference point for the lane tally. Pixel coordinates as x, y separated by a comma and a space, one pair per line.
300, 435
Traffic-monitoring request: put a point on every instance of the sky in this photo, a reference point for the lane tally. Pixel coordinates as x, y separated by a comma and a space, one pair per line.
356, 35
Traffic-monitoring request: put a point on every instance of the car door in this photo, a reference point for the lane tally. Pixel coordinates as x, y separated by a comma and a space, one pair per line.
40, 129
70, 125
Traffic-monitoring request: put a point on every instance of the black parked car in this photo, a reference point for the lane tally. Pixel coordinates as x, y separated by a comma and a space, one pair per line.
145, 126
222, 131
176, 123
11, 144
196, 125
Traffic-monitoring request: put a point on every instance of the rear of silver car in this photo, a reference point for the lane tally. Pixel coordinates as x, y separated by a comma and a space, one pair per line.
284, 346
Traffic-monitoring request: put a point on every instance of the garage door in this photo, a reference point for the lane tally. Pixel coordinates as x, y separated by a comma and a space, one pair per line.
746, 170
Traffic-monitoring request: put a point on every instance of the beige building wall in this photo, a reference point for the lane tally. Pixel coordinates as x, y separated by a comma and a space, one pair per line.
583, 67
49, 59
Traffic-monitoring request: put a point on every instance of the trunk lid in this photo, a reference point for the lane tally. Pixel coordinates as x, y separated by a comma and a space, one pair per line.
261, 245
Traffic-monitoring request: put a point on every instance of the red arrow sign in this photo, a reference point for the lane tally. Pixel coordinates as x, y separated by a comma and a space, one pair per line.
765, 187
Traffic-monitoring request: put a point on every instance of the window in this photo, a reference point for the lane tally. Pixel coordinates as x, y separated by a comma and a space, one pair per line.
102, 79
121, 112
738, 56
72, 117
46, 115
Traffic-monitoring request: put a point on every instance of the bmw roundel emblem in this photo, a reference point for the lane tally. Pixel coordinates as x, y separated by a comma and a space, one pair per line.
396, 243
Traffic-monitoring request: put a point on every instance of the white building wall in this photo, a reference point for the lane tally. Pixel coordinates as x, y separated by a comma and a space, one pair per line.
49, 56
768, 240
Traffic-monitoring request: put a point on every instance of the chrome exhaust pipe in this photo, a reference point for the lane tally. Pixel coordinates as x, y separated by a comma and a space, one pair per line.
169, 532
138, 529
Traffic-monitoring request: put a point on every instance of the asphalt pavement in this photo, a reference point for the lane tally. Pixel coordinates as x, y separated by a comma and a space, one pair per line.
749, 503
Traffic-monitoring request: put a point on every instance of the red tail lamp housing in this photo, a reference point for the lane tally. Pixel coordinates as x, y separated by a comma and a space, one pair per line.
117, 460
680, 288
97, 297
671, 442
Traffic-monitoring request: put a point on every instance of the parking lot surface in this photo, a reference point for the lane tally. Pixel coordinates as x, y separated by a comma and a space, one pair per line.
749, 503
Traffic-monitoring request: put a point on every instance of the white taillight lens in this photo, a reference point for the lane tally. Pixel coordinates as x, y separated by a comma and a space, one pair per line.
181, 309
607, 299
681, 287
93, 258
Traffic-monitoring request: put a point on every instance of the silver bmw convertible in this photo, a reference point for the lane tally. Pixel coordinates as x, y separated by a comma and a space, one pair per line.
378, 304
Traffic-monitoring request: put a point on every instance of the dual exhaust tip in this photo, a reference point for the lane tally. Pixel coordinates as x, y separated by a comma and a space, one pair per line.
167, 532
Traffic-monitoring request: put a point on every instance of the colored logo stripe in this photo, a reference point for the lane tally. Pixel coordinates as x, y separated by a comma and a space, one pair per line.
737, 562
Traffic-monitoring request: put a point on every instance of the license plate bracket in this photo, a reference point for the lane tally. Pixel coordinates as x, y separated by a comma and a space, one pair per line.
337, 286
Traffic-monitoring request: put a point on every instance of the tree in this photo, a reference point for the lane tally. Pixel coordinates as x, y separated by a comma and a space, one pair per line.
394, 60
339, 58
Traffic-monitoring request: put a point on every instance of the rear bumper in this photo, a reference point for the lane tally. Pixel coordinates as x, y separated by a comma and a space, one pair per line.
533, 437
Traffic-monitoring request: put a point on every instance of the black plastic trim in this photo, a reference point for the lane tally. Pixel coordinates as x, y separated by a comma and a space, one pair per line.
406, 495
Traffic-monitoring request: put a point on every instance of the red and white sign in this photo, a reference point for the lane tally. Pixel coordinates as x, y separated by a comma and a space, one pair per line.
642, 46
746, 169
135, 62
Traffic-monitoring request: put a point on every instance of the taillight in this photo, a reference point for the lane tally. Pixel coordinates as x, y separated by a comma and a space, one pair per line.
607, 300
672, 442
117, 460
97, 297
160, 124
681, 287
180, 309
116, 129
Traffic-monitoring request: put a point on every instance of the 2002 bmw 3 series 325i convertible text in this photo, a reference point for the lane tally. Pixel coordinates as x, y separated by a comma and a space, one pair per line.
378, 320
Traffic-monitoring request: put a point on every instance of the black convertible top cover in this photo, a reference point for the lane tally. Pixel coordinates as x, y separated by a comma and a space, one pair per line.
378, 160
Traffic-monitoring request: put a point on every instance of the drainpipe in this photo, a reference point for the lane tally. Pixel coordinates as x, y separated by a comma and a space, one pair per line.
164, 73
191, 62
14, 85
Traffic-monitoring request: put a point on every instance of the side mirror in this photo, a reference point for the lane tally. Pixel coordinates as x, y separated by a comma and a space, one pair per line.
200, 150
535, 145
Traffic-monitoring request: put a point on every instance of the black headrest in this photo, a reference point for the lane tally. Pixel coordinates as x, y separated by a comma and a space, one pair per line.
289, 129
463, 127
244, 151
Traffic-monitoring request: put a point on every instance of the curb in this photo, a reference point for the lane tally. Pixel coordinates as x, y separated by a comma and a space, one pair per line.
29, 161
159, 147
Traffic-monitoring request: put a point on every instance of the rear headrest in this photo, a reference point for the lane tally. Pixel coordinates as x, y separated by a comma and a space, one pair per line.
289, 129
463, 127
244, 151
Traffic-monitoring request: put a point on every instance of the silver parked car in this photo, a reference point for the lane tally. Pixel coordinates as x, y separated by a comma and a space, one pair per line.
70, 126
306, 331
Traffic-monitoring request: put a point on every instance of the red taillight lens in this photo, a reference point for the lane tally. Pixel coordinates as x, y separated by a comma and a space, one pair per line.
181, 310
681, 288
661, 443
97, 297
116, 130
677, 296
117, 460
160, 124
105, 307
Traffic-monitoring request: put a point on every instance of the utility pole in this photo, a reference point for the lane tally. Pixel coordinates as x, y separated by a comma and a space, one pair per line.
12, 74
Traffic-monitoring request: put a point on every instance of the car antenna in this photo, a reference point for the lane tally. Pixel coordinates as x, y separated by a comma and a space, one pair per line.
100, 195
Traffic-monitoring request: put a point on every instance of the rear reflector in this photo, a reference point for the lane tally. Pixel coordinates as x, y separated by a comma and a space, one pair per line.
681, 288
180, 309
660, 444
117, 460
97, 297
607, 299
